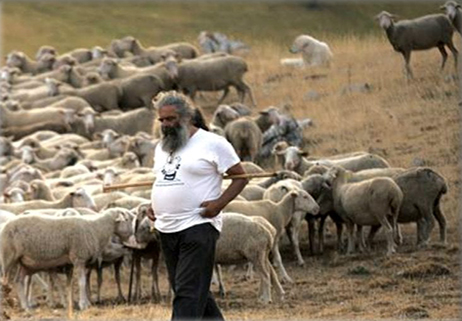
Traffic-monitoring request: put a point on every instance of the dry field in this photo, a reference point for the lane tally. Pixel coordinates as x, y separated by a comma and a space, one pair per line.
403, 121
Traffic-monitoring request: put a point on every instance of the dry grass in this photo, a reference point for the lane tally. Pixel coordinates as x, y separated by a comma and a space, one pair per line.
401, 121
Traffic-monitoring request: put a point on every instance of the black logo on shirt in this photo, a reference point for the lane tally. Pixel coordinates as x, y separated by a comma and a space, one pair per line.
171, 168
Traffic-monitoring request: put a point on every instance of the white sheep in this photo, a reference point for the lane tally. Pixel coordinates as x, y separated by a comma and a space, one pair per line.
279, 215
314, 52
372, 202
38, 242
244, 239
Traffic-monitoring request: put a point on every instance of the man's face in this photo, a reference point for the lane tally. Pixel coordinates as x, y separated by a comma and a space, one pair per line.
174, 130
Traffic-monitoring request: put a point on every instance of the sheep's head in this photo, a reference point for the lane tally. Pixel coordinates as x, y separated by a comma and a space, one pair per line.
292, 156
107, 68
223, 115
304, 202
67, 156
28, 154
6, 146
81, 198
451, 8
46, 62
36, 186
124, 222
127, 44
15, 59
300, 43
385, 19
97, 52
171, 64
65, 60
110, 176
130, 160
88, 116
45, 50
144, 227
14, 195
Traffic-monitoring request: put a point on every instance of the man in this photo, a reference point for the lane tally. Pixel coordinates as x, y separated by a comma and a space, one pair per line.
187, 200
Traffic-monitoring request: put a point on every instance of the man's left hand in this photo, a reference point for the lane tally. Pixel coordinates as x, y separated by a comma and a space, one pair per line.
211, 208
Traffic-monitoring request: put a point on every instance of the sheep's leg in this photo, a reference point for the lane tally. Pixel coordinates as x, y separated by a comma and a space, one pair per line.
275, 281
311, 233
70, 298
84, 303
22, 285
320, 245
292, 230
117, 265
249, 272
351, 242
389, 234
360, 239
221, 288
137, 278
277, 260
223, 96
407, 66
455, 53
439, 216
99, 276
261, 267
248, 90
444, 54
372, 232
88, 284
155, 291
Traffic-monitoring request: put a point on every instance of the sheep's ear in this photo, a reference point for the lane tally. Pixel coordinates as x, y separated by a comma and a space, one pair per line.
99, 175
97, 135
303, 153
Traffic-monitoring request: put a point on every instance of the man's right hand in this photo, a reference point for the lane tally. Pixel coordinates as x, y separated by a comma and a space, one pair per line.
150, 214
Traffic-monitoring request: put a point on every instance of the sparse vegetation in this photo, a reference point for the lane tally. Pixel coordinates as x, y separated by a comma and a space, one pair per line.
400, 120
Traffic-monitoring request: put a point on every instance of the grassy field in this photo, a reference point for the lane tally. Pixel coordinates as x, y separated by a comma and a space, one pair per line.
402, 121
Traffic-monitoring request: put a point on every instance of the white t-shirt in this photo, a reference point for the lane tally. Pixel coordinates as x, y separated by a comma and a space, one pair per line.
187, 178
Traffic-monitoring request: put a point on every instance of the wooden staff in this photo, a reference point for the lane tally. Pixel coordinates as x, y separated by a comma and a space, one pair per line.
107, 188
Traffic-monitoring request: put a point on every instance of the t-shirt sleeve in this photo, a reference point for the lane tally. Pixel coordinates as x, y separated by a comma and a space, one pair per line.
224, 155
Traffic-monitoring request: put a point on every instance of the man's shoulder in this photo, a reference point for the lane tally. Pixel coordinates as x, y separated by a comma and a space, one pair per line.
210, 137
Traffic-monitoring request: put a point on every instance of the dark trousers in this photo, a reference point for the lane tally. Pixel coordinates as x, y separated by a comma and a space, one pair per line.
189, 256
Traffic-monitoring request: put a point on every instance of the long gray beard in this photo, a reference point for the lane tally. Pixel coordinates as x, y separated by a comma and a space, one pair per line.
174, 138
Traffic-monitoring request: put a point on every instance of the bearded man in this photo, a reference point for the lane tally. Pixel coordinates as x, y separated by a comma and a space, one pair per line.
187, 200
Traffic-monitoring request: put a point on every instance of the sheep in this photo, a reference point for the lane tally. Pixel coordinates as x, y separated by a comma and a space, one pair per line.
419, 34
218, 42
38, 242
314, 52
375, 201
147, 247
127, 202
275, 193
244, 239
133, 45
144, 148
39, 190
77, 198
422, 188
252, 168
64, 157
14, 195
294, 159
129, 123
211, 75
27, 65
73, 170
454, 12
279, 215
245, 136
253, 192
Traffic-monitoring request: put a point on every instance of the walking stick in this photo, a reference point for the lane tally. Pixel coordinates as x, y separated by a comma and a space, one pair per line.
108, 188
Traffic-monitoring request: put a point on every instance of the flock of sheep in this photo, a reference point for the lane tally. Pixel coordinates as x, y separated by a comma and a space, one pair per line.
74, 122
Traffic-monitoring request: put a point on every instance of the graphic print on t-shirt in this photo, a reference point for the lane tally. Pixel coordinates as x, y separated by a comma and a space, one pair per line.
170, 169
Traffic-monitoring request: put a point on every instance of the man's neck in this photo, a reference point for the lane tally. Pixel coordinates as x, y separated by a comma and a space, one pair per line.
192, 130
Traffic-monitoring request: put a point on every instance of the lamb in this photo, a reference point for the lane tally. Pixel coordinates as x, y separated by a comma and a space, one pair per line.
211, 75
293, 159
38, 242
77, 198
279, 215
275, 193
314, 52
147, 246
245, 136
454, 12
419, 34
376, 201
243, 239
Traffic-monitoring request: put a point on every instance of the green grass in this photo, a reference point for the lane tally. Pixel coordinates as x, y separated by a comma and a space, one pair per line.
28, 25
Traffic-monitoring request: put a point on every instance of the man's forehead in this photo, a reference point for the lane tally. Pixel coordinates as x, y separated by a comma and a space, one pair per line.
170, 109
